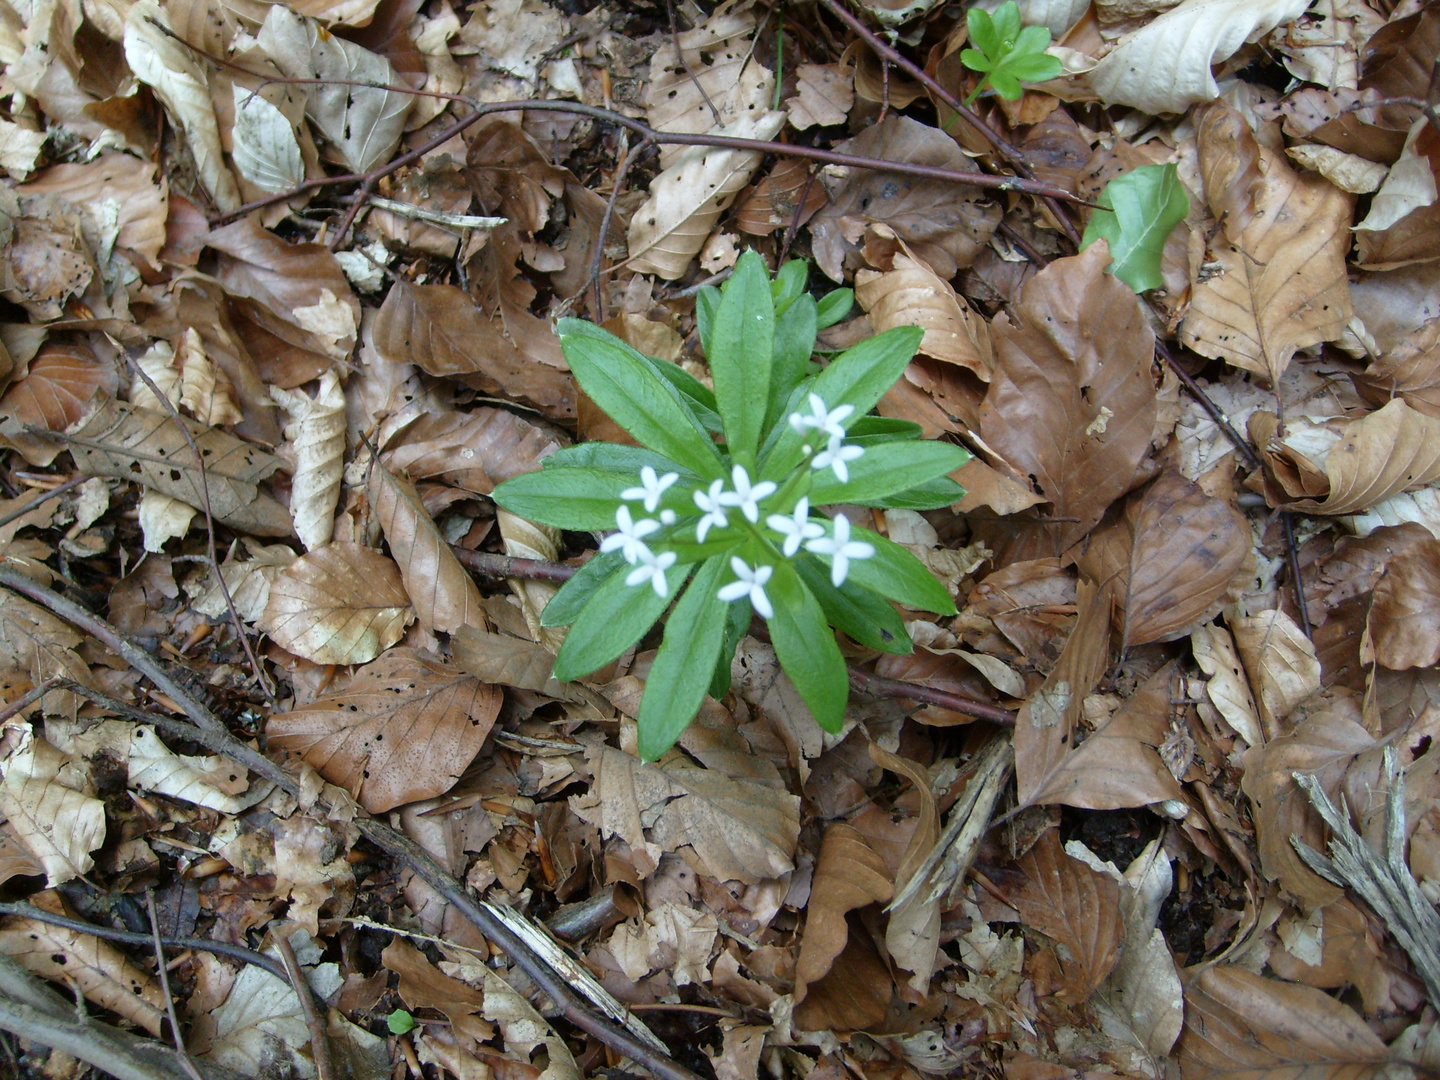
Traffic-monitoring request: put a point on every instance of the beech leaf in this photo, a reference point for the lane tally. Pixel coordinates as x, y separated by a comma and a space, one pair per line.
339, 604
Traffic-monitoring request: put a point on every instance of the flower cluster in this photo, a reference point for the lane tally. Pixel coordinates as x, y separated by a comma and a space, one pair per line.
782, 535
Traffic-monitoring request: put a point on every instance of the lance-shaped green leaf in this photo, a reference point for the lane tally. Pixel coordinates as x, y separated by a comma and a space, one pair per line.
685, 664
886, 469
564, 607
566, 498
859, 613
741, 353
615, 618
893, 572
626, 386
806, 649
1142, 207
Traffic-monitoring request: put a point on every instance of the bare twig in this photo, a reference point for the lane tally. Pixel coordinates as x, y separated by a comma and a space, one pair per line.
507, 566
879, 686
597, 257
319, 1042
1292, 557
30, 697
41, 499
186, 1061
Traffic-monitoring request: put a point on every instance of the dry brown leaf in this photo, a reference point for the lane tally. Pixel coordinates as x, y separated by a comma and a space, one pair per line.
204, 389
35, 646
316, 434
947, 225
1032, 603
101, 971
1409, 369
1045, 728
41, 796
122, 441
824, 94
1173, 553
1274, 278
912, 936
296, 292
423, 986
474, 450
1403, 624
339, 604
1280, 661
511, 661
911, 294
403, 729
1241, 1026
1075, 907
54, 393
1324, 744
776, 201
529, 540
1350, 953
1119, 765
129, 181
15, 860
439, 328
1229, 692
759, 679
848, 875
1072, 402
49, 260
740, 830
214, 782
686, 200
1393, 449
442, 592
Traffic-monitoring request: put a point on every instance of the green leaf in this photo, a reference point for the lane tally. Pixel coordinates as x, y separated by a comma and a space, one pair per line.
833, 307
566, 604
806, 649
1143, 206
566, 498
934, 495
865, 617
1007, 26
983, 33
736, 623
882, 428
886, 469
894, 573
624, 384
794, 344
696, 395
741, 353
1031, 40
707, 303
974, 59
789, 284
612, 457
617, 616
1007, 86
685, 664
1036, 68
399, 1022
859, 376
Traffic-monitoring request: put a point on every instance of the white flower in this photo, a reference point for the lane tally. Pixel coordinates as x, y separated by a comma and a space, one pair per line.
714, 510
841, 550
667, 517
652, 488
835, 455
629, 538
744, 496
828, 422
652, 568
797, 528
751, 583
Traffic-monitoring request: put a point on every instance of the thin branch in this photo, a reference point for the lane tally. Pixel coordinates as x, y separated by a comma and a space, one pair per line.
879, 686
30, 697
186, 1061
507, 566
319, 1043
627, 158
1292, 557
41, 499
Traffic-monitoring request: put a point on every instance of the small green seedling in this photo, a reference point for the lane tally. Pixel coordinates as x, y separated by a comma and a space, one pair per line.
1006, 53
716, 504
1141, 208
400, 1022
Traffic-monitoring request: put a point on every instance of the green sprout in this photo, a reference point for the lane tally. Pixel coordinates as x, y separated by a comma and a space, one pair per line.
1006, 53
400, 1022
718, 505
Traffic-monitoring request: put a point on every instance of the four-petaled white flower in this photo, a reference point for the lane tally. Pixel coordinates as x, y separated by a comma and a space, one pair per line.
652, 487
749, 583
652, 568
841, 550
630, 537
831, 423
835, 455
744, 496
796, 528
714, 510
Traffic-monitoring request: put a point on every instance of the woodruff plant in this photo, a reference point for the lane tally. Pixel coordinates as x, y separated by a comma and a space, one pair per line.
722, 494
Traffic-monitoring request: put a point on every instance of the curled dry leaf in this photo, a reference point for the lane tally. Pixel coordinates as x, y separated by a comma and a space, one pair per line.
439, 328
740, 830
403, 729
1409, 370
363, 122
265, 148
686, 200
59, 824
1274, 276
49, 259
1072, 402
947, 225
122, 441
848, 875
474, 450
912, 936
1173, 552
1403, 624
316, 430
35, 646
248, 580
1226, 686
101, 971
1280, 661
339, 604
1239, 1024
443, 593
790, 192
1164, 67
205, 390
1075, 907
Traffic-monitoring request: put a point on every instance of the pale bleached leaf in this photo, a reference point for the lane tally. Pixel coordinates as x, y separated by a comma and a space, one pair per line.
339, 604
60, 824
316, 434
266, 151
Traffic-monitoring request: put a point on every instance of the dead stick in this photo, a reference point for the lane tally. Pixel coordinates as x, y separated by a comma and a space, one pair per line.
41, 499
879, 686
186, 1061
319, 1043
